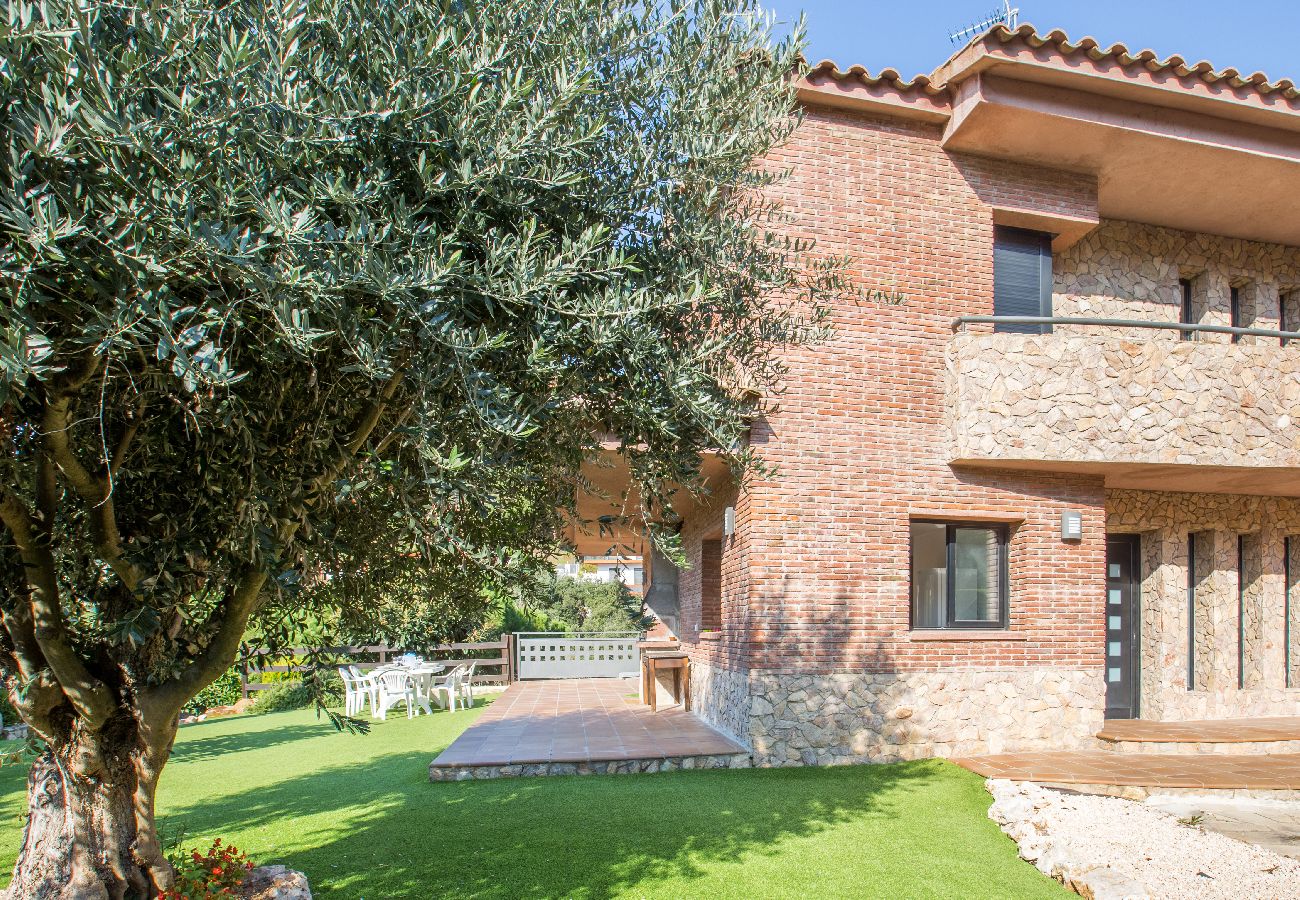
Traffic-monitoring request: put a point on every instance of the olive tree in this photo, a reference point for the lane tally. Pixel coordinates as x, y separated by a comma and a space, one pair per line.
276, 268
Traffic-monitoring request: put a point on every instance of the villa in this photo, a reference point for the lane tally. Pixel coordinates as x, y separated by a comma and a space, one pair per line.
1053, 479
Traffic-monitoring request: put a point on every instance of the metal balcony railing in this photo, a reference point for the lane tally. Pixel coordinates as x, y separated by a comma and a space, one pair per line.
1186, 328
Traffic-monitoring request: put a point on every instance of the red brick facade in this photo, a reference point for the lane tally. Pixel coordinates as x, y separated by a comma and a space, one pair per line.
860, 439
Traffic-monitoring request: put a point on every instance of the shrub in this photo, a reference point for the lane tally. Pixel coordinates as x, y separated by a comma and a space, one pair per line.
222, 692
205, 876
287, 695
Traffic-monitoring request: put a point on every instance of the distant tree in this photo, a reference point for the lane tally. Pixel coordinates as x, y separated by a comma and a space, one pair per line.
593, 606
310, 295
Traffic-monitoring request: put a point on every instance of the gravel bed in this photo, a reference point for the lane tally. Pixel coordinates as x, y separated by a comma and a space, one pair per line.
1107, 848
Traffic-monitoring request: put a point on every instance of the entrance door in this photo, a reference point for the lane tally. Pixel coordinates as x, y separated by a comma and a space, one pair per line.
1122, 626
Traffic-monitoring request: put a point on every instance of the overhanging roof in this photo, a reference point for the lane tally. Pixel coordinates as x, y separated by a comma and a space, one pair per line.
1171, 143
609, 516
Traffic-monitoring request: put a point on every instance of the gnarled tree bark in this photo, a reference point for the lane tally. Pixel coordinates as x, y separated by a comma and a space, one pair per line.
91, 831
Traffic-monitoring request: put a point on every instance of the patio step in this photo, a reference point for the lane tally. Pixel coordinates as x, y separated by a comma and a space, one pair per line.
1142, 774
1277, 734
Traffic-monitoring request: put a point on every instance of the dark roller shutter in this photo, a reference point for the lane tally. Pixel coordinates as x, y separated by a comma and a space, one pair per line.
1022, 277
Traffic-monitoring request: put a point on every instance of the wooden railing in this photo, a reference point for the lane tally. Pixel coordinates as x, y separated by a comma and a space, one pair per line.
495, 661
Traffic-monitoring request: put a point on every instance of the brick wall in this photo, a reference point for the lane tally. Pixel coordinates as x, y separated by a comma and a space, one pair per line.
859, 436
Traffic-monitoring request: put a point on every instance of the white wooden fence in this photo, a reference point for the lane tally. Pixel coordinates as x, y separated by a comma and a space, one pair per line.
576, 655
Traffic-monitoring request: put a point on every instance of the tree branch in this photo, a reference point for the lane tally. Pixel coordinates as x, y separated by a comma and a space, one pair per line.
392, 432
91, 698
93, 490
361, 432
124, 441
166, 699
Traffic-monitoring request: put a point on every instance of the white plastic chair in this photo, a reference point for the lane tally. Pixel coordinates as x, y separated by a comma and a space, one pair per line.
450, 687
395, 686
467, 686
351, 693
367, 689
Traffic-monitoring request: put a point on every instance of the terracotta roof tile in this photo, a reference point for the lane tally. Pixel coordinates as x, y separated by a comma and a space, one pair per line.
889, 77
1060, 42
1204, 70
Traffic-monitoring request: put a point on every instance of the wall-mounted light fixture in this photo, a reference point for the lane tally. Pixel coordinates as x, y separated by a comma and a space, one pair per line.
729, 520
1071, 525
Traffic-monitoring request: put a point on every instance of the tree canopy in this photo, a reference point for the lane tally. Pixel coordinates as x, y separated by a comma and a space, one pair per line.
299, 291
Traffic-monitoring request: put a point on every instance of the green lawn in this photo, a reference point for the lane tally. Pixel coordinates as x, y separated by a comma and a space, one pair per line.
358, 815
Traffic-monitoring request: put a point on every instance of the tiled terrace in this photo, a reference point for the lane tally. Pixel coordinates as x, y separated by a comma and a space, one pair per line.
578, 726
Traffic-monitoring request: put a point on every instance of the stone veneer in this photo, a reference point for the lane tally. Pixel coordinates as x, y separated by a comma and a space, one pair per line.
798, 719
1125, 270
721, 697
1165, 520
1103, 399
597, 767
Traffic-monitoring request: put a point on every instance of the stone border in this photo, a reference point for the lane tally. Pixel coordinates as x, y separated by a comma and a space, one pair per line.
597, 767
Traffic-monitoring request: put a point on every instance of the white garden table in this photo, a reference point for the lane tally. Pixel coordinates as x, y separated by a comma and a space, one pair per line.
423, 673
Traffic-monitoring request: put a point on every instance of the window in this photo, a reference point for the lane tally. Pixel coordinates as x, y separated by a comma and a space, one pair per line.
1289, 313
1241, 308
711, 584
1188, 315
1022, 277
959, 575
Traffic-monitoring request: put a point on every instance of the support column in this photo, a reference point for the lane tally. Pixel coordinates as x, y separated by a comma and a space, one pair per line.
1264, 609
1215, 609
1163, 628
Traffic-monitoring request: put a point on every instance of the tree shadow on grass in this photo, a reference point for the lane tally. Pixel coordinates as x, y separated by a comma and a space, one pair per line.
198, 747
379, 829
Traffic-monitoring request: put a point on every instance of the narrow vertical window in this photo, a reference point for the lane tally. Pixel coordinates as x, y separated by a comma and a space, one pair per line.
1234, 311
1241, 611
1288, 313
1187, 315
1191, 611
1022, 278
1286, 607
711, 584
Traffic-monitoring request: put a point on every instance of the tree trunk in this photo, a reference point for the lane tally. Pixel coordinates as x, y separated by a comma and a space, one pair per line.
91, 831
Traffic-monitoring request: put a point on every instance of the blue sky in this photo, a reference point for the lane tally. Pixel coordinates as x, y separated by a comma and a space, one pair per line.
912, 35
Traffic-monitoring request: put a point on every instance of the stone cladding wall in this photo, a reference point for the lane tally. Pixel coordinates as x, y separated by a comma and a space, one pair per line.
721, 697
1126, 270
1165, 520
858, 718
1100, 398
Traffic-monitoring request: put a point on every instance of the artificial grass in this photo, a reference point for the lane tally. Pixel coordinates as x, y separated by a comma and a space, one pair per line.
359, 816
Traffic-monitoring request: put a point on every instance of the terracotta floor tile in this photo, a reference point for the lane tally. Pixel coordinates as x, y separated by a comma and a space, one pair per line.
578, 721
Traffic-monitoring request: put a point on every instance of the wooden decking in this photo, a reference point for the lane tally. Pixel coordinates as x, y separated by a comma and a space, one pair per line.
1253, 772
1219, 754
1206, 731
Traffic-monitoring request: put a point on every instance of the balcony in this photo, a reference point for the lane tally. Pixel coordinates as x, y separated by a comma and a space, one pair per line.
1129, 401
